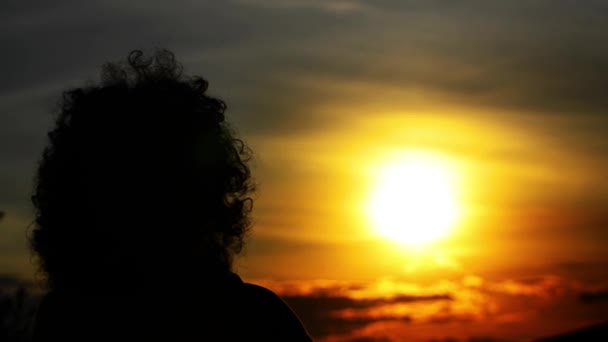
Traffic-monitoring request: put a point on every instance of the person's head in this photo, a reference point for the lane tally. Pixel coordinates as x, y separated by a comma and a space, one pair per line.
142, 176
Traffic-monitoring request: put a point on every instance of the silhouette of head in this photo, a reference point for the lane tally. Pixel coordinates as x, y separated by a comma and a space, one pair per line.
142, 180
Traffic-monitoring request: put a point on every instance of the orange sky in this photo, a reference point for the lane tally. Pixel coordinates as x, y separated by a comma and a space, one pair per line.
520, 193
516, 266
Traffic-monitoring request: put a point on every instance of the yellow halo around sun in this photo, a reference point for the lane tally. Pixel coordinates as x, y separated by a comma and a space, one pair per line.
414, 200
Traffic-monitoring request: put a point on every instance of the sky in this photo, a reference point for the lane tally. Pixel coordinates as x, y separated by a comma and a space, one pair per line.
508, 96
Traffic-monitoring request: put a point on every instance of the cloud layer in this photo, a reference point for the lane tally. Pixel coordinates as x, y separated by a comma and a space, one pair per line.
463, 309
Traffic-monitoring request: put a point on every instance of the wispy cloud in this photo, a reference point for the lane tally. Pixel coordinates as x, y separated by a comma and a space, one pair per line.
593, 297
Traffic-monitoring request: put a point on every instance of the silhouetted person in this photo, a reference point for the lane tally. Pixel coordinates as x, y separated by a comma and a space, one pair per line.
142, 200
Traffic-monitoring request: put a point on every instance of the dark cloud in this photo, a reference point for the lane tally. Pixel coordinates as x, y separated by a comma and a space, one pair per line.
531, 303
370, 339
276, 64
591, 297
597, 332
320, 312
487, 339
81, 36
510, 54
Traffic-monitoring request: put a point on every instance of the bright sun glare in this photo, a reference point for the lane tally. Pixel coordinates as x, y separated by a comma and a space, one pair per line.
414, 199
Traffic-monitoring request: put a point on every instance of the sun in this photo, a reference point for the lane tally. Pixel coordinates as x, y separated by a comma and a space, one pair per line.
414, 199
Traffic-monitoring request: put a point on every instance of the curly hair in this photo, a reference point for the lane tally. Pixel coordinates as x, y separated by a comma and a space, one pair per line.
141, 175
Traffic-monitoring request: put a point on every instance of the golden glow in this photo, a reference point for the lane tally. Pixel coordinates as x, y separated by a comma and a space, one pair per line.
414, 200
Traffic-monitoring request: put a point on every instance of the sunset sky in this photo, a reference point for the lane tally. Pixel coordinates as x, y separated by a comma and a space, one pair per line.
505, 100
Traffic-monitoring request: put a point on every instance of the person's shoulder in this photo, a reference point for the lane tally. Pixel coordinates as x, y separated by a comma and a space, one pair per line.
261, 293
261, 297
273, 312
